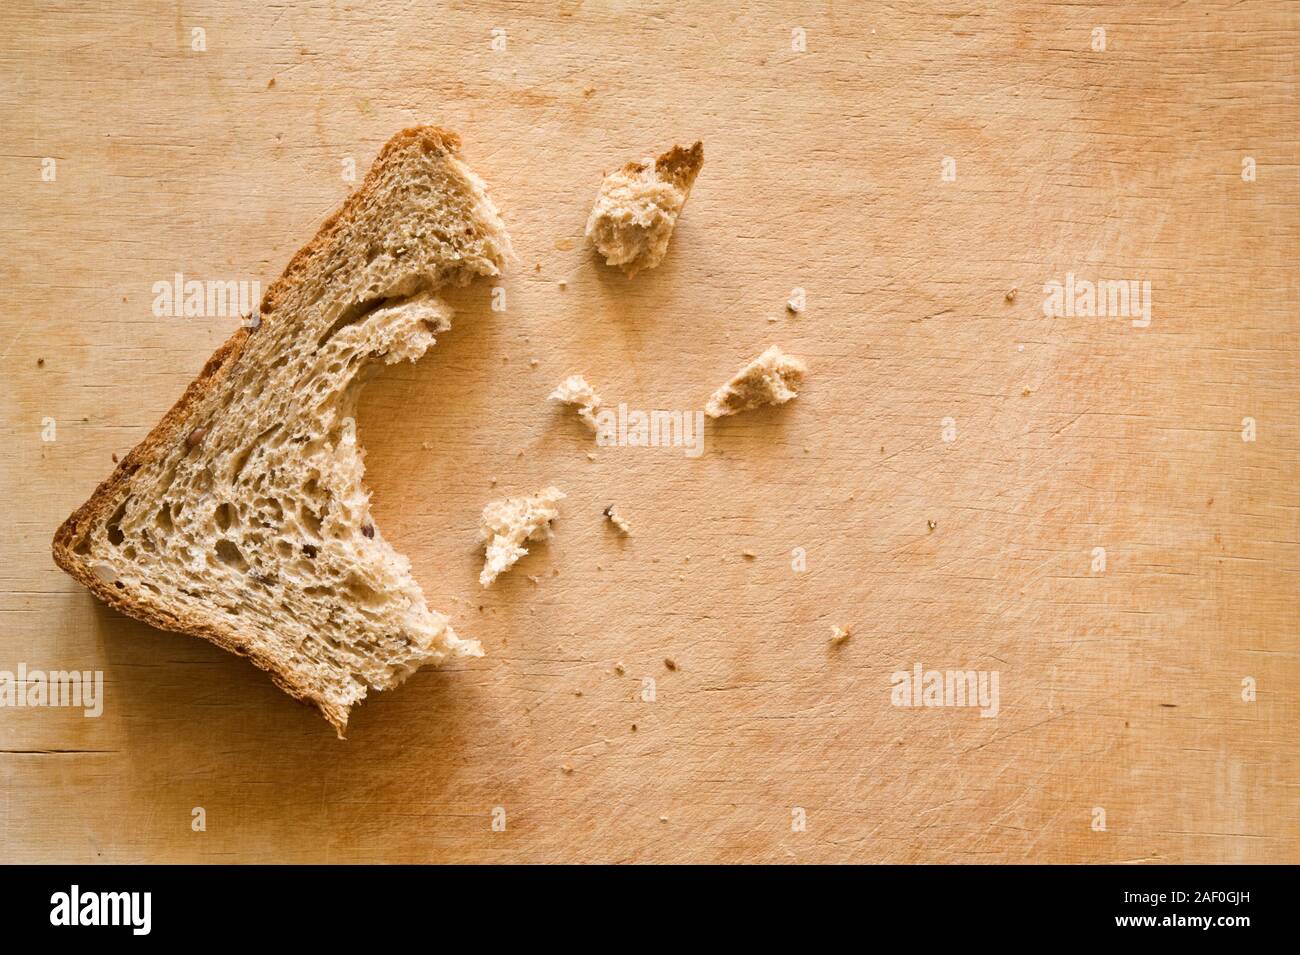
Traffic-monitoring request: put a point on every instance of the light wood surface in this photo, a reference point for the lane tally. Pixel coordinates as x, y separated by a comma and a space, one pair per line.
1120, 690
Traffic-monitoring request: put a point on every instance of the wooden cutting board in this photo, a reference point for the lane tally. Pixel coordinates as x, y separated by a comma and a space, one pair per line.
947, 485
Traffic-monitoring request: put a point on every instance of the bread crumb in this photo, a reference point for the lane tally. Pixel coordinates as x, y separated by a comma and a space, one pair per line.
591, 455
619, 522
1011, 295
1026, 392
670, 663
748, 555
40, 363
533, 363
839, 634
566, 769
620, 669
508, 523
663, 818
114, 457
773, 378
575, 391
931, 525
638, 205
563, 284
793, 307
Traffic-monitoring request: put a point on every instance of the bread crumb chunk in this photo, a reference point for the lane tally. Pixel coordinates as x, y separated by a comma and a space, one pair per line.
575, 391
508, 523
638, 205
840, 634
773, 378
618, 520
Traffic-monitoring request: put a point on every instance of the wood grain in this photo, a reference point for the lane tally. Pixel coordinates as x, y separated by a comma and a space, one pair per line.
1119, 689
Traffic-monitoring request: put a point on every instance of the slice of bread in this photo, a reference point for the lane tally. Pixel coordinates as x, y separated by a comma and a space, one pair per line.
773, 378
242, 517
508, 523
637, 208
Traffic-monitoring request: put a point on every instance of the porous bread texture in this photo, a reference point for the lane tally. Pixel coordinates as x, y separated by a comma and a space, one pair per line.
575, 391
242, 517
773, 378
508, 523
637, 207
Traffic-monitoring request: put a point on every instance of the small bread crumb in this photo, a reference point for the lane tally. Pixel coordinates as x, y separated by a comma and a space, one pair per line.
620, 669
931, 525
773, 378
566, 769
575, 391
670, 663
508, 523
748, 555
839, 634
638, 205
619, 522
793, 307
1011, 295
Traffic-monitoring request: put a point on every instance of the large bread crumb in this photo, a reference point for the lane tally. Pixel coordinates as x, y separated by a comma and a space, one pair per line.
508, 523
637, 208
773, 378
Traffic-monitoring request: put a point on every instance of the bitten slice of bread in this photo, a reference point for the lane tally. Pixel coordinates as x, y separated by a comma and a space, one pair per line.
508, 523
773, 378
638, 205
242, 517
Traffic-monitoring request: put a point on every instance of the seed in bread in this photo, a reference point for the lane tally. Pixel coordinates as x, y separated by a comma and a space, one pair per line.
242, 518
773, 378
508, 523
638, 205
